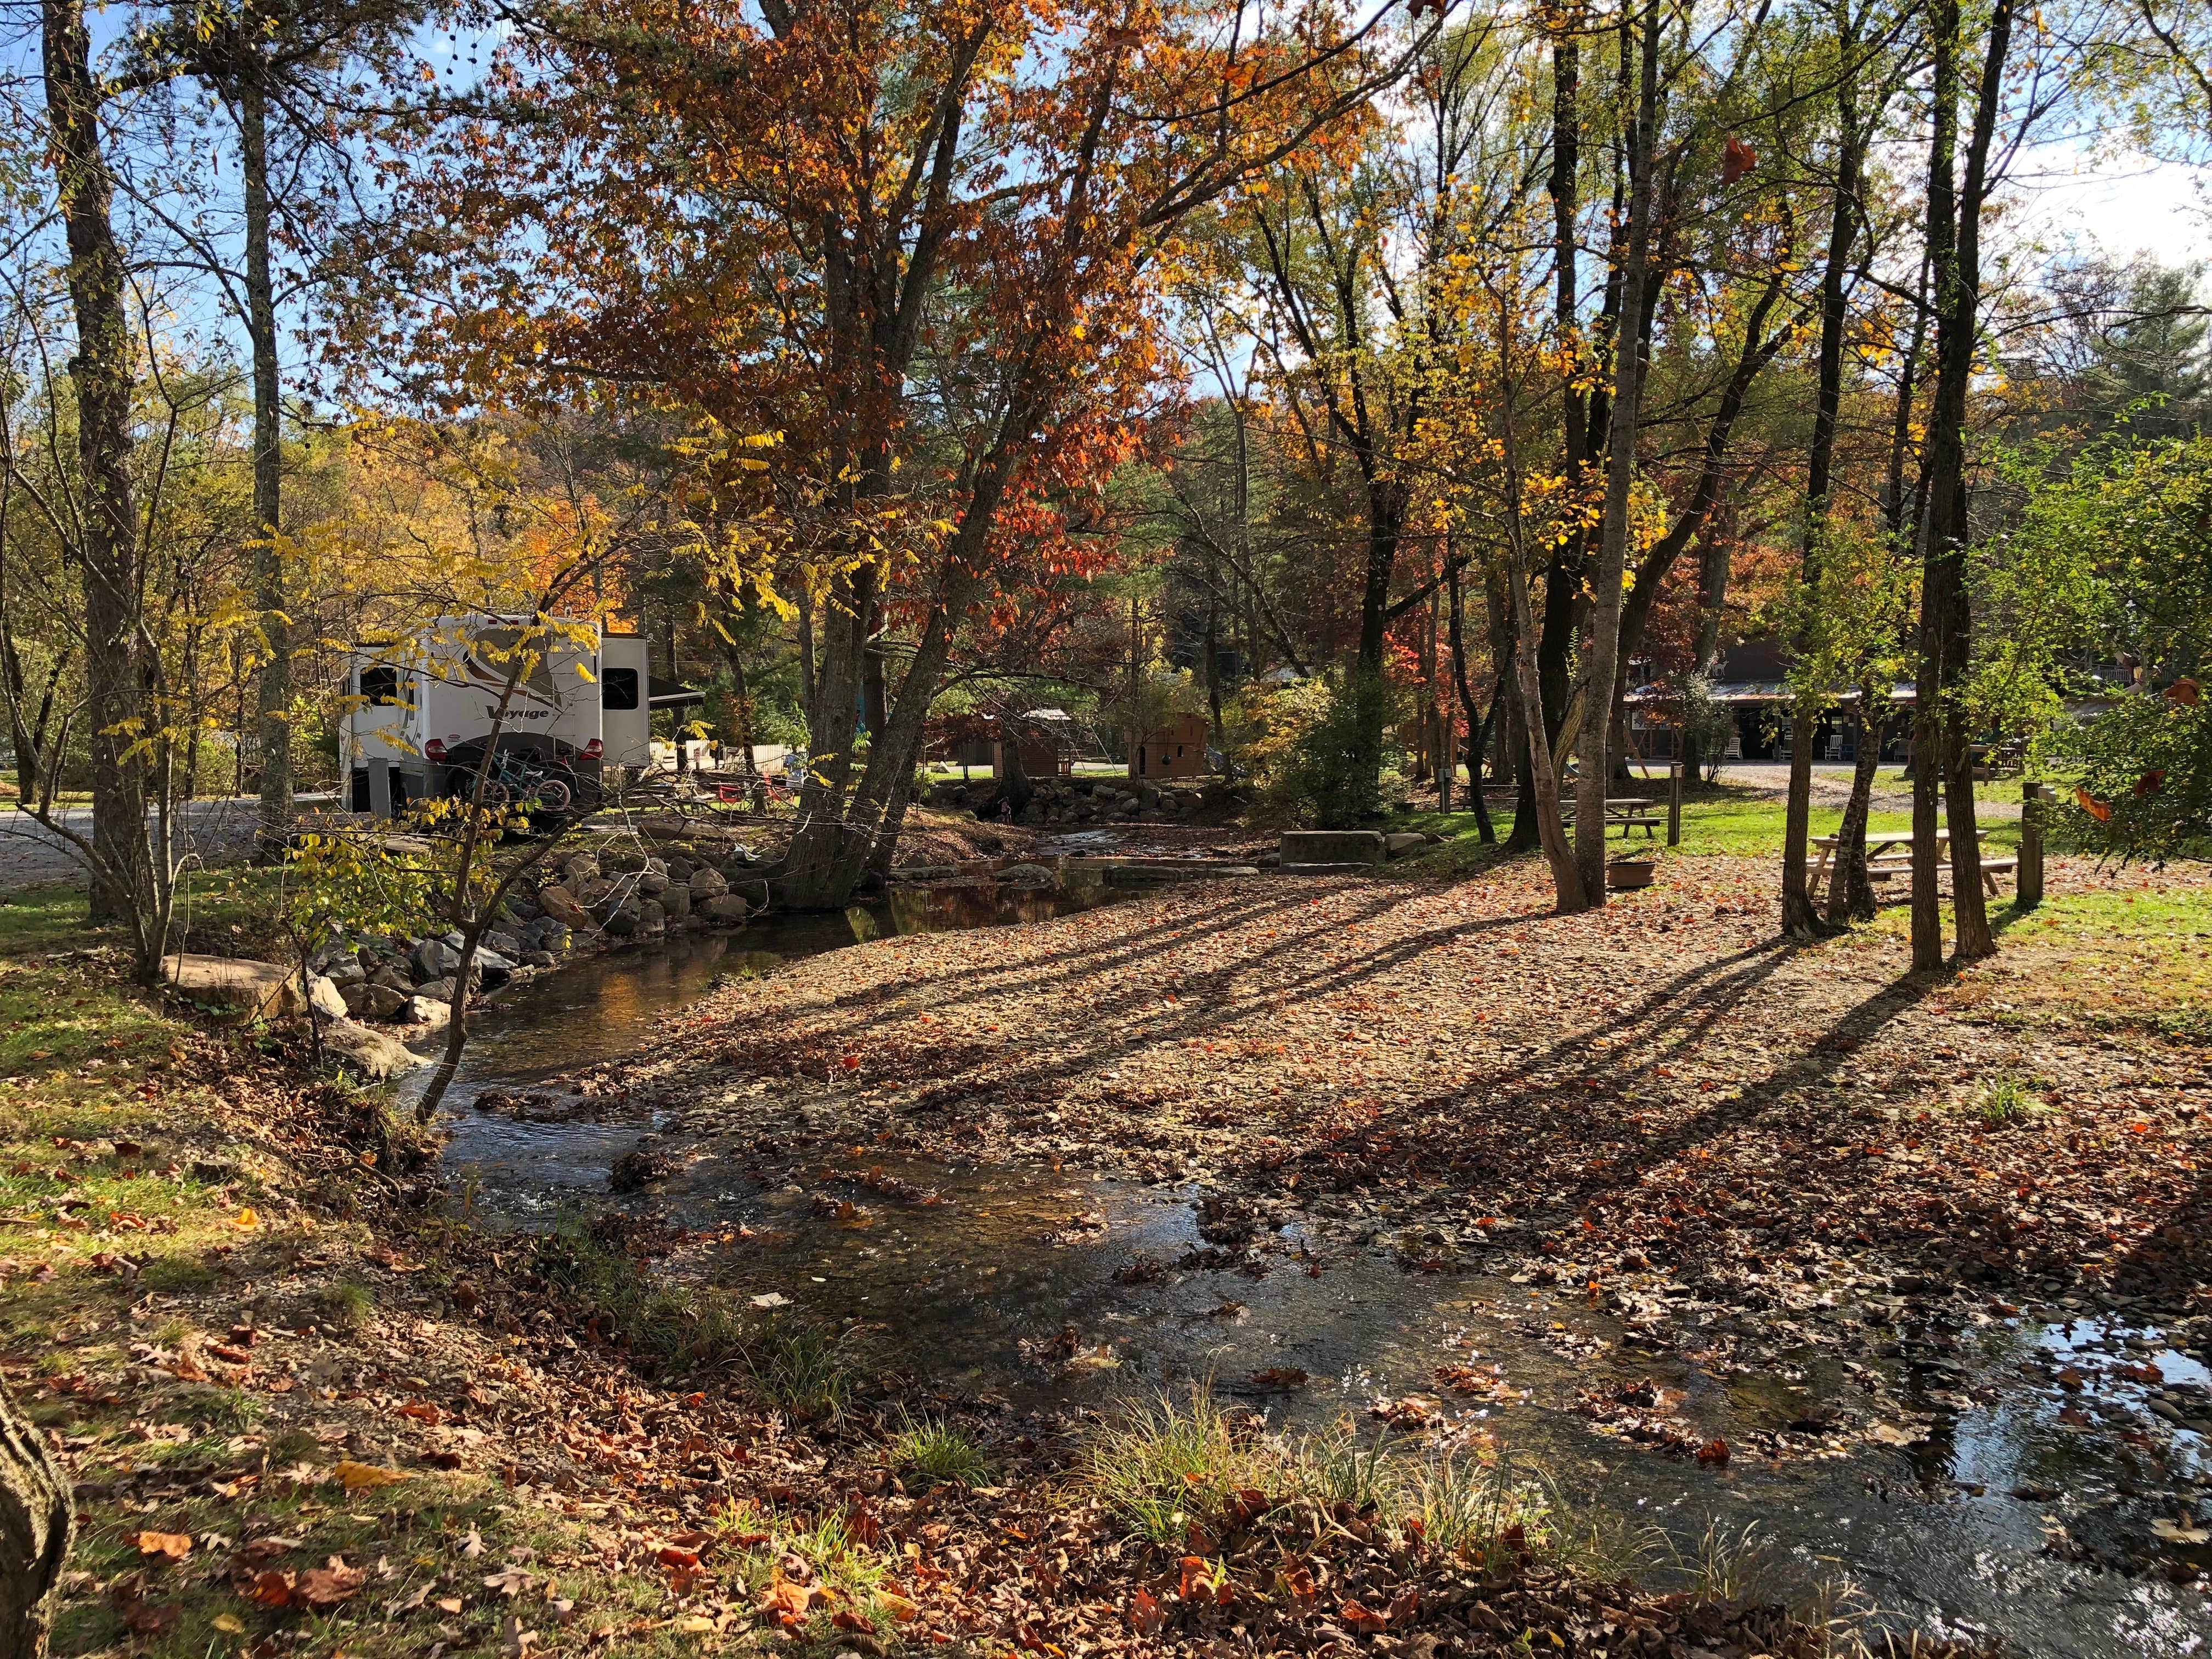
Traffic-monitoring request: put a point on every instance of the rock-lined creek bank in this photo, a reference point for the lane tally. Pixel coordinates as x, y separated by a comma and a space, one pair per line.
1966, 1464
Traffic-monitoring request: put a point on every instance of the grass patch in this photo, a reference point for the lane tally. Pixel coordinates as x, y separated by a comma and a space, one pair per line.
1182, 1461
670, 1329
798, 1367
939, 1454
346, 1305
2005, 1099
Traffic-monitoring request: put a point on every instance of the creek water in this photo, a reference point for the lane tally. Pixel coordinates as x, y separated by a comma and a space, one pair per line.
1985, 1472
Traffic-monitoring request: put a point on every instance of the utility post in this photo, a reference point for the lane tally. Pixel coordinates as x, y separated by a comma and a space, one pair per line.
2028, 888
1674, 803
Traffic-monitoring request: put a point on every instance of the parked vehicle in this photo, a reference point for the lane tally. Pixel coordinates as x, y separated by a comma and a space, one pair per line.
421, 712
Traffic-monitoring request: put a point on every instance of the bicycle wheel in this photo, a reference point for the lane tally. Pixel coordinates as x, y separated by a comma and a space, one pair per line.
553, 795
497, 795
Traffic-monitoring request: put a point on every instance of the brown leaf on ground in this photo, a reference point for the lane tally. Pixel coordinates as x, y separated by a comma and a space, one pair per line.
175, 1545
325, 1587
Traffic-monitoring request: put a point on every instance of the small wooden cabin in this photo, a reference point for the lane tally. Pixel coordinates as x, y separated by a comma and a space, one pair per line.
1174, 749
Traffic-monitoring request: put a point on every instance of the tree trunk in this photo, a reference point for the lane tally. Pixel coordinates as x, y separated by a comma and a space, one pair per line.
1596, 774
1477, 731
1799, 918
121, 883
36, 1522
1850, 891
1946, 620
271, 597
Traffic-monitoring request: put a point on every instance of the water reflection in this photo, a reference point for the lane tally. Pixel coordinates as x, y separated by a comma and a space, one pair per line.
2020, 1503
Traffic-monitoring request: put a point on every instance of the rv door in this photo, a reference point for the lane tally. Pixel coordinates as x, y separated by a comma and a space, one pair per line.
625, 714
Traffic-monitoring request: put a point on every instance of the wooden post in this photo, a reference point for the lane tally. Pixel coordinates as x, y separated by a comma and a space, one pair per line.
2028, 885
1447, 727
1674, 803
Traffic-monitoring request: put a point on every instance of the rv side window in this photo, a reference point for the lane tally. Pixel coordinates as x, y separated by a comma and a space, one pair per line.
379, 685
618, 688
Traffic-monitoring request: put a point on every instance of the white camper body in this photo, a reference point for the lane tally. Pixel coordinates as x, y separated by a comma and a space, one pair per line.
430, 701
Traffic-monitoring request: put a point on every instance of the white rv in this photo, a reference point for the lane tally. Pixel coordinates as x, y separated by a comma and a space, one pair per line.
428, 704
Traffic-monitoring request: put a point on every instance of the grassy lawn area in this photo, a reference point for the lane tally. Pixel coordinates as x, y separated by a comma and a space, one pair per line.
2131, 945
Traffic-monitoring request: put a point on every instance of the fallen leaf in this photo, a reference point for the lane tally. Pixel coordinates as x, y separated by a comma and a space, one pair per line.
2179, 1532
271, 1589
229, 1624
151, 1618
1146, 1613
176, 1546
509, 1581
325, 1587
245, 1221
365, 1477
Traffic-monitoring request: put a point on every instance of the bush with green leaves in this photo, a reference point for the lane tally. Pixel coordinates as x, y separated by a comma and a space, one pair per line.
1314, 752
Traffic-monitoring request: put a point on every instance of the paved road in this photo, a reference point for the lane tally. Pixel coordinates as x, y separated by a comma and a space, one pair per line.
214, 831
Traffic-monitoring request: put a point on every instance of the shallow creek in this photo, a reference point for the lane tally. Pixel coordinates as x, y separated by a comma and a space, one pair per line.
1965, 1471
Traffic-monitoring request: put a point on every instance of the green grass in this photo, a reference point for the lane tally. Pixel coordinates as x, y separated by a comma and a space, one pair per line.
1182, 1462
798, 1367
346, 1305
1717, 822
938, 1454
670, 1329
2004, 1099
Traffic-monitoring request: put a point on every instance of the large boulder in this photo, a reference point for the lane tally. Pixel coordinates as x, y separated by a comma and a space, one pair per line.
433, 958
248, 990
676, 900
326, 998
1403, 842
356, 998
392, 976
345, 970
560, 906
427, 1014
369, 1054
652, 919
726, 908
707, 883
384, 1003
440, 990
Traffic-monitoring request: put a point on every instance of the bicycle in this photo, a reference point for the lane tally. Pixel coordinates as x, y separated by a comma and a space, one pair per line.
514, 783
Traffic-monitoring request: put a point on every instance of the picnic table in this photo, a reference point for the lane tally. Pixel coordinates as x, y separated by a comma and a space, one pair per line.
1891, 854
1629, 811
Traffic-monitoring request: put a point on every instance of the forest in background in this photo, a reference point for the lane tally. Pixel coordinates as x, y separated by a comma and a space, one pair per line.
1391, 386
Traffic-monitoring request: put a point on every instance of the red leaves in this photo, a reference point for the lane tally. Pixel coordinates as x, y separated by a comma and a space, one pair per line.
1197, 1584
2150, 782
1714, 1453
1146, 1613
1737, 158
1356, 1618
271, 1588
1415, 8
2096, 808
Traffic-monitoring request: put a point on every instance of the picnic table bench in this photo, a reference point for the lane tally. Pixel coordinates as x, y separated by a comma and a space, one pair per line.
1885, 860
1629, 811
